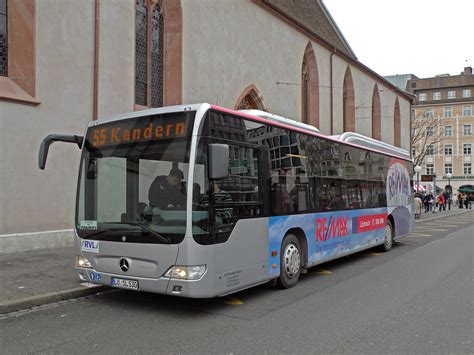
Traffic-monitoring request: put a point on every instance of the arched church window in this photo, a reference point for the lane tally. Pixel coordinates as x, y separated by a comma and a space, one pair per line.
310, 87
250, 99
3, 38
141, 50
157, 58
376, 114
396, 124
305, 84
149, 25
348, 103
246, 104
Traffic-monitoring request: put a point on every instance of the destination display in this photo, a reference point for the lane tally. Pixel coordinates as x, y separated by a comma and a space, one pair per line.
152, 128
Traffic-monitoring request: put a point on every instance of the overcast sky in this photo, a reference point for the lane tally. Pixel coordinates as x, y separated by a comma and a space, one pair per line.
421, 37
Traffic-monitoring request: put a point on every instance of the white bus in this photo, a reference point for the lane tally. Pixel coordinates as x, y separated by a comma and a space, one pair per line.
202, 201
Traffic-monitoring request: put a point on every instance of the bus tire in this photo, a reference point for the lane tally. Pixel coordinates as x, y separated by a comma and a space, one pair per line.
290, 262
388, 237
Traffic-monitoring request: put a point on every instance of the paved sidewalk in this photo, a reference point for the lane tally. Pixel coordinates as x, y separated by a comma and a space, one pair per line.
39, 277
430, 215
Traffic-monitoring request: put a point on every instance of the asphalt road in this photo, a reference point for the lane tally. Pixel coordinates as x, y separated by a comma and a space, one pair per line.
416, 299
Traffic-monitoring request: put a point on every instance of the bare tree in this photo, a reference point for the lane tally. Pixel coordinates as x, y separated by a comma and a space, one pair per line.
426, 136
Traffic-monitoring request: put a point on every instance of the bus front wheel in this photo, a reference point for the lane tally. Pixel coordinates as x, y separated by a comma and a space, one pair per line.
290, 262
388, 237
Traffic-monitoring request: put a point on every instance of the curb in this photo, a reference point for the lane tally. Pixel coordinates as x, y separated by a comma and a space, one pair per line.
50, 297
442, 216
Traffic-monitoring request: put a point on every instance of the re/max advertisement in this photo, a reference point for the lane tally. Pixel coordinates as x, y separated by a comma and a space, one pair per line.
329, 234
332, 234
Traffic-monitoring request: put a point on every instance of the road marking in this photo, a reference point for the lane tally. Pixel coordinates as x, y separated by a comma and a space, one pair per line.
418, 235
321, 272
232, 301
402, 242
446, 225
373, 254
423, 231
432, 230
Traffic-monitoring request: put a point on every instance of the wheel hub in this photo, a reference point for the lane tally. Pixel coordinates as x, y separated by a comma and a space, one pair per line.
292, 260
388, 236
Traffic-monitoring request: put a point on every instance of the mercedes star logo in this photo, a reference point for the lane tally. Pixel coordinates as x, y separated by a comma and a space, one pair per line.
124, 265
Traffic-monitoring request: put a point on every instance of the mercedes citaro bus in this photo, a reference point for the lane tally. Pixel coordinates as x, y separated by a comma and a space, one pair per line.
264, 199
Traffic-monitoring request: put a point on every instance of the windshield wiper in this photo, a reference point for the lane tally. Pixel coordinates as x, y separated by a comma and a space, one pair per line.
143, 227
101, 231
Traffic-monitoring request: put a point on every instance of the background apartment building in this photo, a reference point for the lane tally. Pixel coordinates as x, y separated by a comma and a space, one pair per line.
443, 114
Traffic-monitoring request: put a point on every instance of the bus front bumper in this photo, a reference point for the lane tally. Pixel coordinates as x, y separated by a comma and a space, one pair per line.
163, 285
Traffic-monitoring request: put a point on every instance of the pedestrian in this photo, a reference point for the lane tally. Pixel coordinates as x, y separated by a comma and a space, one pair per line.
441, 202
446, 198
426, 203
460, 200
466, 201
432, 202
418, 204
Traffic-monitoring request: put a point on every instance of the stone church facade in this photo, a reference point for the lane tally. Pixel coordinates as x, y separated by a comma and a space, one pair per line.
65, 63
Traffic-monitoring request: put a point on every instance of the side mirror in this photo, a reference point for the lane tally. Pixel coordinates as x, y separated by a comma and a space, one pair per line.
44, 148
218, 161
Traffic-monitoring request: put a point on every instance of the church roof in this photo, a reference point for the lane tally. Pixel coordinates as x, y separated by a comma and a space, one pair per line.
315, 17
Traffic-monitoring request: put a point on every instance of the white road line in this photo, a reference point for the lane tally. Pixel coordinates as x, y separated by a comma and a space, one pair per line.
444, 225
418, 235
433, 230
430, 230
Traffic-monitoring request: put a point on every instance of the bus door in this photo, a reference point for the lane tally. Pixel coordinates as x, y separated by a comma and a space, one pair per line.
241, 195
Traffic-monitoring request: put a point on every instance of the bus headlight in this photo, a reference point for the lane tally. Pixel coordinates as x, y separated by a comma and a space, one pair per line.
82, 262
186, 272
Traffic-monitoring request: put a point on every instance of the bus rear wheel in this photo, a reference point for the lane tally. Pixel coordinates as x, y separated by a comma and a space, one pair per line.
290, 262
388, 237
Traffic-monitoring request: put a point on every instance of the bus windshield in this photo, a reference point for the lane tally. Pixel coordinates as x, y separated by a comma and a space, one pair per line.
132, 181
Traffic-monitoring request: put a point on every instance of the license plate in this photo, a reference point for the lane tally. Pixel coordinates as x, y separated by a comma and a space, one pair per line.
124, 283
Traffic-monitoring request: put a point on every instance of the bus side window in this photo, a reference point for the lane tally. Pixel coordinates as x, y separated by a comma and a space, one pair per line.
281, 203
299, 193
238, 195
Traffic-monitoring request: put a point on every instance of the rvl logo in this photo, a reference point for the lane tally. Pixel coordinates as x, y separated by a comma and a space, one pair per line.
90, 245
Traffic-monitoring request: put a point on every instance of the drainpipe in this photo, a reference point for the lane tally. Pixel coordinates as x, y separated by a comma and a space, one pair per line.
95, 108
331, 128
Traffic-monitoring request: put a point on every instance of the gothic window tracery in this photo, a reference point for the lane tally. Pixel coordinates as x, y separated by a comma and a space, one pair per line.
149, 59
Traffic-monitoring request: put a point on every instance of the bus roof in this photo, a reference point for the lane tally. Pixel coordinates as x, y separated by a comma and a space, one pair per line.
347, 138
149, 112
